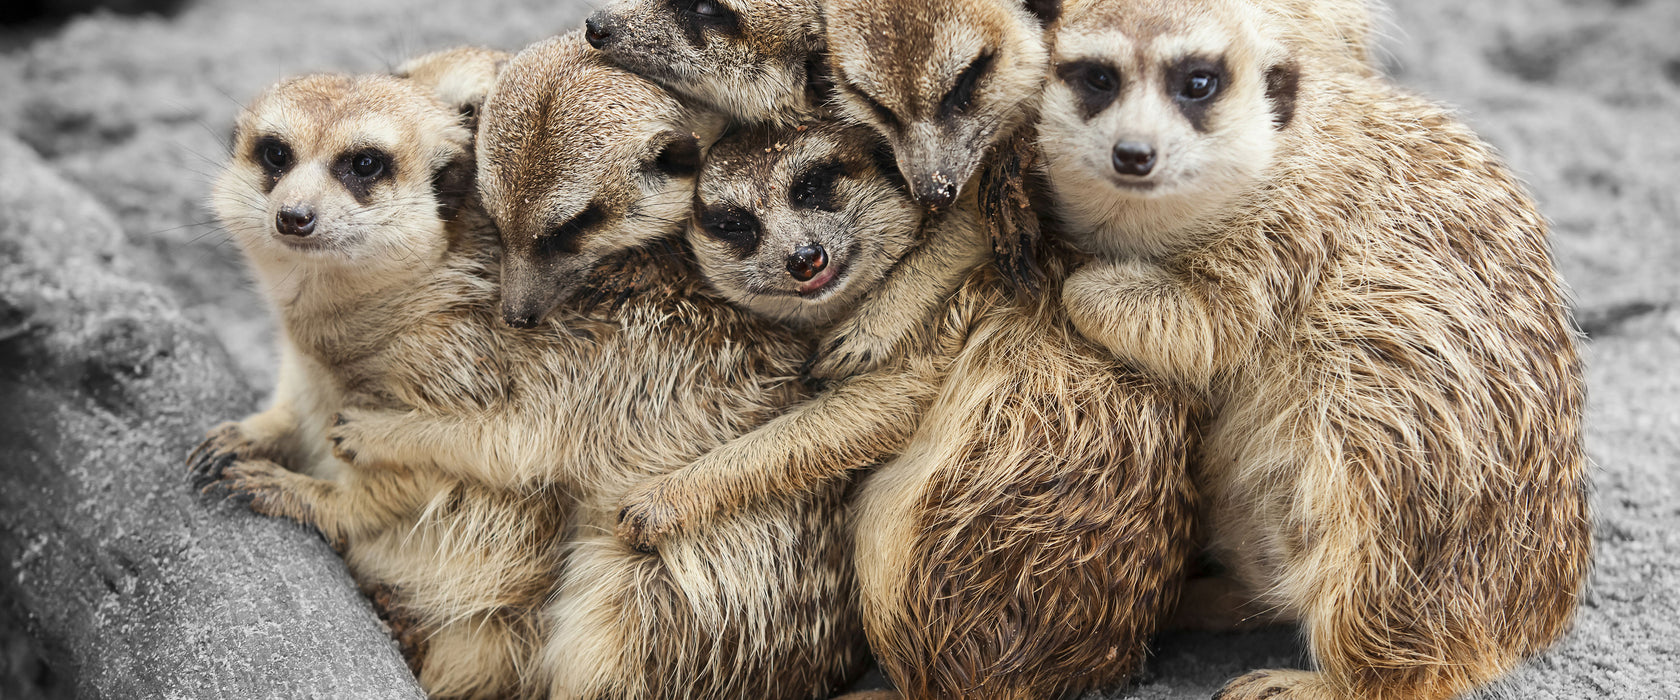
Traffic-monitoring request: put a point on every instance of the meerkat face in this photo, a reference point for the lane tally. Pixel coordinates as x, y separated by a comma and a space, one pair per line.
750, 59
797, 225
1160, 112
358, 172
580, 159
942, 81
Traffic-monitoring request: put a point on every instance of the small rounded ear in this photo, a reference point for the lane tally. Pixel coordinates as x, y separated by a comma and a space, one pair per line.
1047, 11
455, 185
1283, 81
680, 156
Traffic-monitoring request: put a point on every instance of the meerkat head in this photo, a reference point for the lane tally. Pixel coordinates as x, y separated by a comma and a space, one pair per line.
797, 225
941, 80
1160, 113
355, 172
750, 59
579, 159
461, 77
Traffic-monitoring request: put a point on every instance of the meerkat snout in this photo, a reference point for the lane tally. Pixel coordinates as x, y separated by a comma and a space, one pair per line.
295, 220
807, 262
1134, 158
598, 29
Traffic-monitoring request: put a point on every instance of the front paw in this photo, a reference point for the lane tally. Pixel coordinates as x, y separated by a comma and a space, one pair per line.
1277, 685
222, 446
652, 513
348, 435
848, 354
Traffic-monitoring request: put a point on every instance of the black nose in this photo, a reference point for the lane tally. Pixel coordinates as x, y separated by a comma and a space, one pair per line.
807, 261
520, 318
936, 192
597, 30
297, 220
1134, 158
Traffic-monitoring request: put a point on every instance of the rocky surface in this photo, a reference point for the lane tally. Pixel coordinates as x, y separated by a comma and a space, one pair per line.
1583, 96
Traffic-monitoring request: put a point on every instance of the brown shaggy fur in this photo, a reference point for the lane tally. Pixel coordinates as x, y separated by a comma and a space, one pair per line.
1395, 456
482, 464
1030, 538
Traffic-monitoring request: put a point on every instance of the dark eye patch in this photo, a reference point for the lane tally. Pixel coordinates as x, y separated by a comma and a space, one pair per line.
961, 96
698, 17
274, 157
814, 188
1195, 84
360, 170
1095, 84
564, 238
734, 226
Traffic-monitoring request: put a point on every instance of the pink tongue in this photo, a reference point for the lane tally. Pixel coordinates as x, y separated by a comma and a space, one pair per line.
817, 282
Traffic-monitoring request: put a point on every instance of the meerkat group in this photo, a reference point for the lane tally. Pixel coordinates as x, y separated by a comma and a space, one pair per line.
698, 351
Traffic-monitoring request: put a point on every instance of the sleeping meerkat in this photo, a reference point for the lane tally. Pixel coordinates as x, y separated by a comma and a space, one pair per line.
587, 169
756, 61
1364, 292
347, 195
1040, 485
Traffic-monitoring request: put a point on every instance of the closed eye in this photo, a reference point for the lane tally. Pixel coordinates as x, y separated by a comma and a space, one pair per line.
886, 116
961, 96
564, 238
736, 227
815, 188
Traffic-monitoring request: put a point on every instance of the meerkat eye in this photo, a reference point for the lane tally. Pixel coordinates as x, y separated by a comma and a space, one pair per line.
367, 164
886, 116
1096, 85
961, 95
707, 8
563, 238
738, 228
815, 189
1200, 85
274, 154
708, 13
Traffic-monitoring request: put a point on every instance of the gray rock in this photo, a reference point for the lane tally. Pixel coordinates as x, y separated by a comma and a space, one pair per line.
134, 585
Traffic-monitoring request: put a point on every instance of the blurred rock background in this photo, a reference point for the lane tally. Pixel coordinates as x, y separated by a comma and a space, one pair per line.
129, 106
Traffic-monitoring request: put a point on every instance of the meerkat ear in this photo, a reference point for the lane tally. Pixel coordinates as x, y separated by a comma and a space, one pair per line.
1283, 81
1047, 11
455, 184
680, 156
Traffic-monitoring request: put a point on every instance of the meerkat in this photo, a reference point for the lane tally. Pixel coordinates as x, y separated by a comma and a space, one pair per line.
588, 170
344, 193
755, 61
1364, 293
1039, 484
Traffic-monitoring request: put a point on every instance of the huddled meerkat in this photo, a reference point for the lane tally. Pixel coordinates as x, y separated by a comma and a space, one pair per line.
1364, 292
347, 196
803, 226
1034, 530
756, 61
553, 421
583, 164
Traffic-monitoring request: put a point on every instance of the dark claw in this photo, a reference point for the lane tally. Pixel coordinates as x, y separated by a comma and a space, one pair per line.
209, 468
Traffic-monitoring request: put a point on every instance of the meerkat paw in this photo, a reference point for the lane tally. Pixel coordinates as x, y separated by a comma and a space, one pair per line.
222, 446
270, 489
1278, 685
849, 351
350, 436
653, 511
1135, 309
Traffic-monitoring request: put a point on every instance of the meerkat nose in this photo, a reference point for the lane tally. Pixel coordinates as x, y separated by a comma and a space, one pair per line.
296, 220
597, 30
807, 261
936, 191
1134, 158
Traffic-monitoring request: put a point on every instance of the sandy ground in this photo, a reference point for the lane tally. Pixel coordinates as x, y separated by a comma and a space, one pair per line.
1583, 97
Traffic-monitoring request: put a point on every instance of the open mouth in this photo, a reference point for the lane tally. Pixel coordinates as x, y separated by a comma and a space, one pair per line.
816, 284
